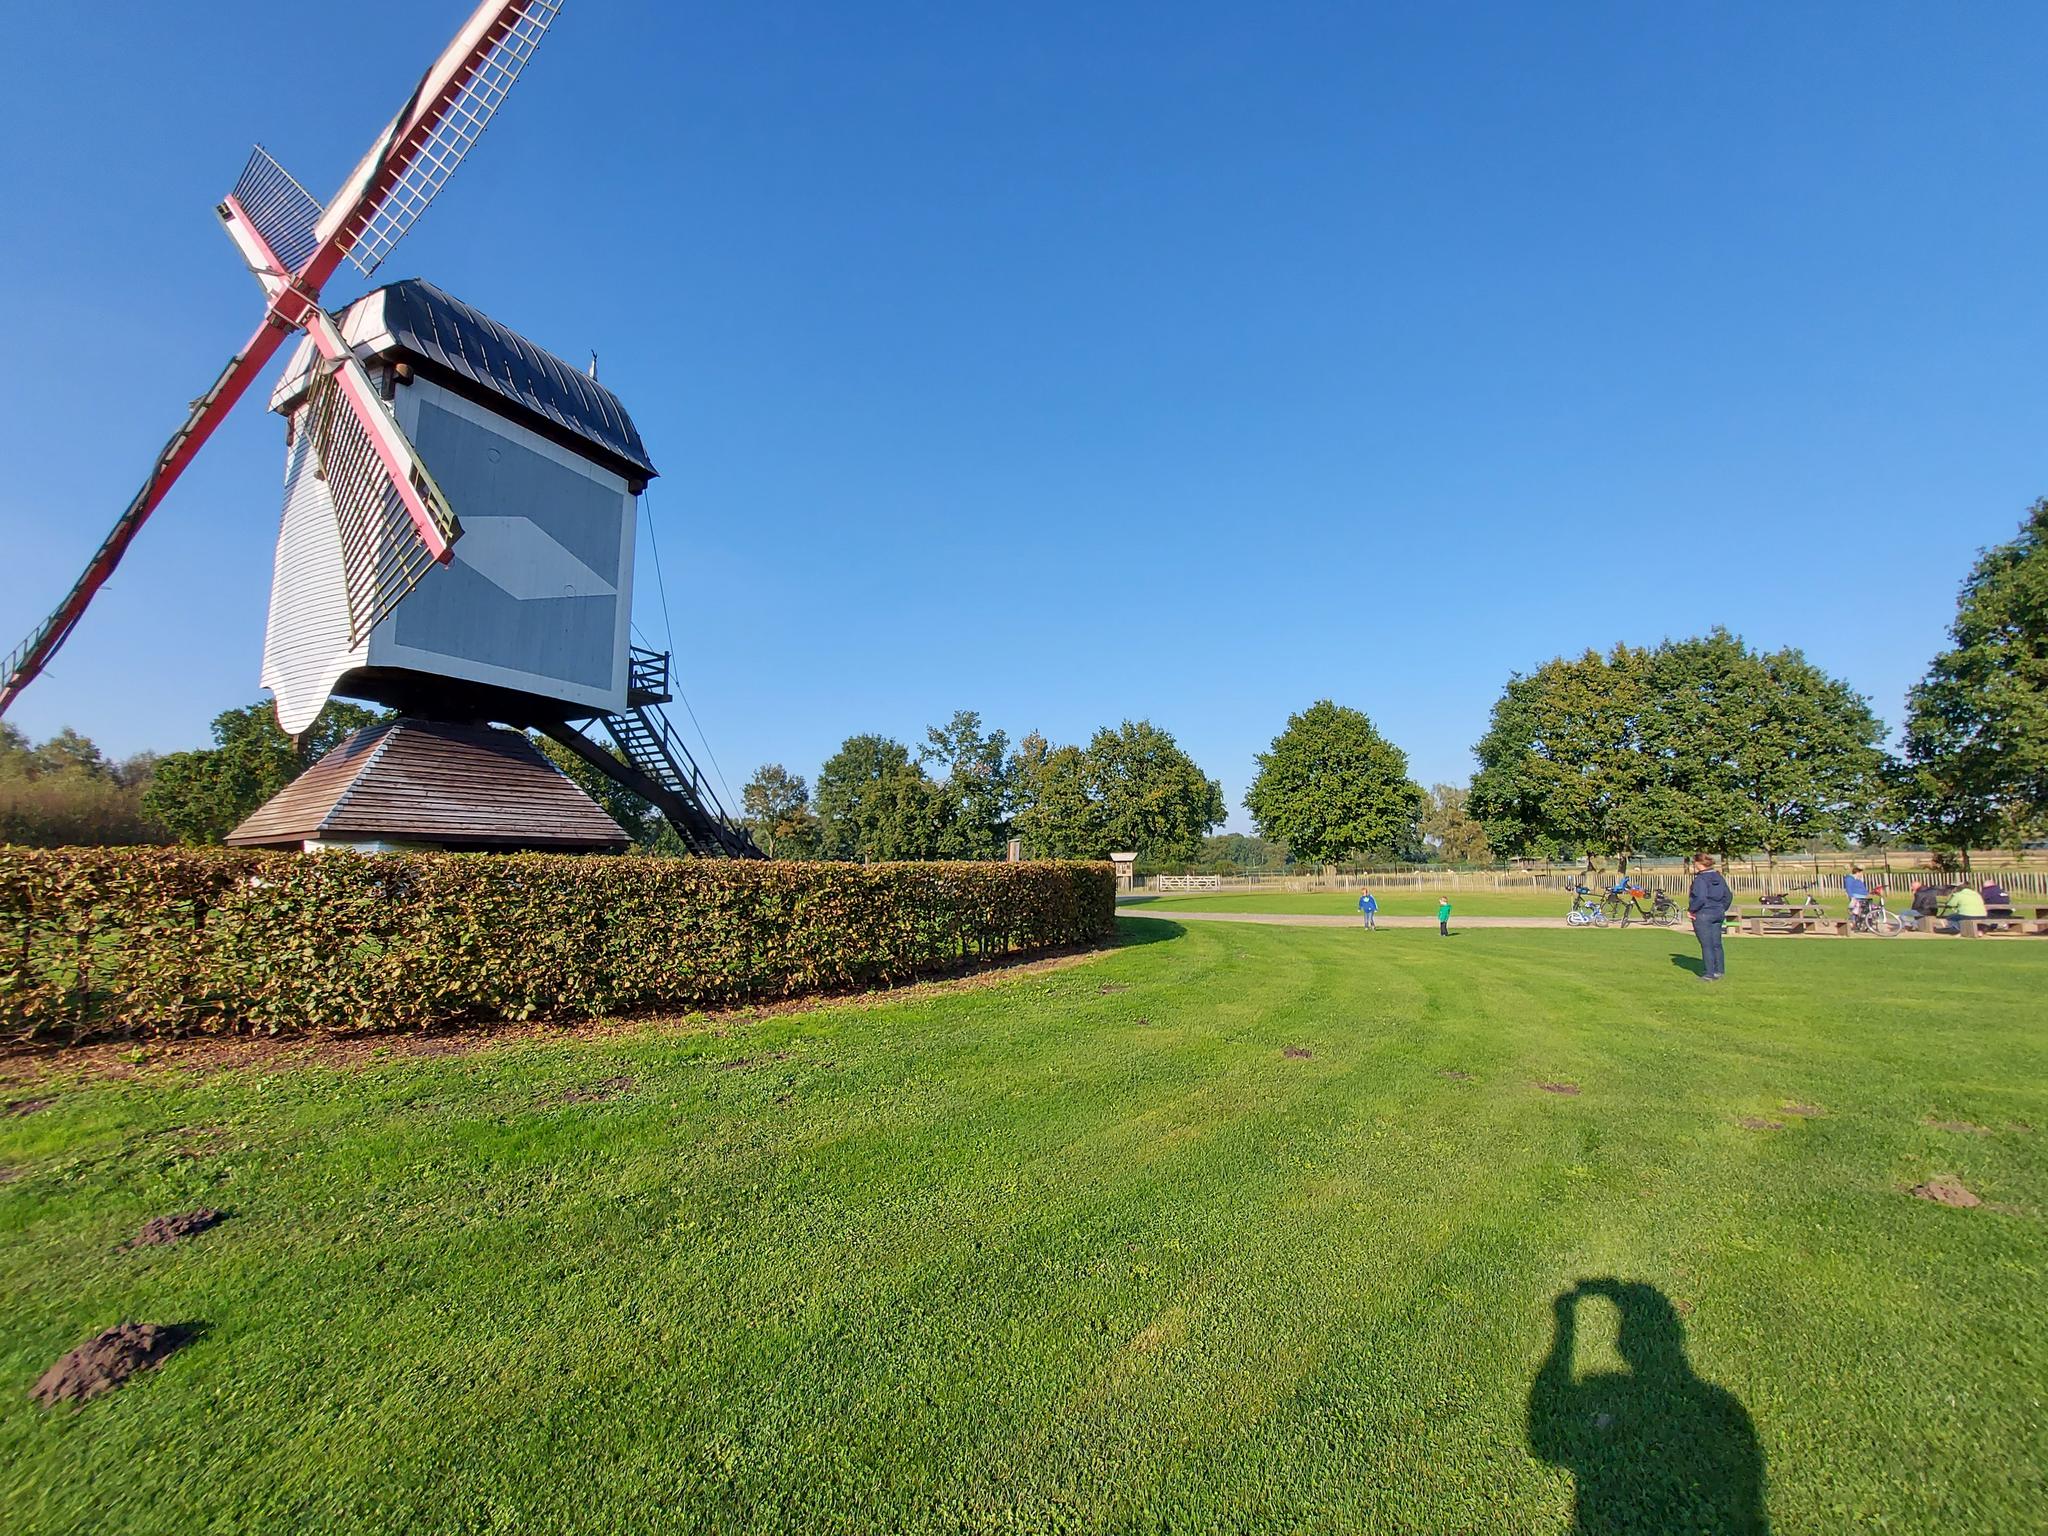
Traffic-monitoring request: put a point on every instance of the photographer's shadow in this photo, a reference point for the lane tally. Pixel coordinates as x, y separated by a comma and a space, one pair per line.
1653, 1447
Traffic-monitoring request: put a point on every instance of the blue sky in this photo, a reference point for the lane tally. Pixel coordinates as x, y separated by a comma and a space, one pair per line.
1071, 362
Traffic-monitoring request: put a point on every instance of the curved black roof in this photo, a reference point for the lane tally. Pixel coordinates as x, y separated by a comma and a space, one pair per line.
448, 334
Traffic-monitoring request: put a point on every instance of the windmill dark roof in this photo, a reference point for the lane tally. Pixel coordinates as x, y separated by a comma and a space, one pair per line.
447, 333
429, 781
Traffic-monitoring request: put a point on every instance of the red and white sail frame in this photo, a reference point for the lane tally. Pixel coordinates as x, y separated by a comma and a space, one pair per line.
293, 246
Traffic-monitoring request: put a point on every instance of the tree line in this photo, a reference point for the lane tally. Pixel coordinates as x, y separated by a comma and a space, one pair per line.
1707, 745
1700, 744
966, 791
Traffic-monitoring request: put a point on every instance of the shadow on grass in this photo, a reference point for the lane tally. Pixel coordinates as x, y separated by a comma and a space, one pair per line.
1653, 1448
1153, 930
1690, 963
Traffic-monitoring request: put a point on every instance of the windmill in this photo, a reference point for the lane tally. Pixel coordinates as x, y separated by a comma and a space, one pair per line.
392, 525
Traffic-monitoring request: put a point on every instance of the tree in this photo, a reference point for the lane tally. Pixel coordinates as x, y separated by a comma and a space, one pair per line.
1562, 766
1233, 853
1976, 736
200, 797
1334, 788
976, 790
874, 802
1449, 830
1759, 751
1701, 744
65, 793
1056, 814
1148, 795
69, 752
777, 807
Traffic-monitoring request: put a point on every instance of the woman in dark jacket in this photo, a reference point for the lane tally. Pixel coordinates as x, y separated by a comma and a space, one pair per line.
1707, 903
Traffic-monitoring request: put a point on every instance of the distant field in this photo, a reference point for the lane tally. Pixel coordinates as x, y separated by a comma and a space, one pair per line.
1402, 903
1236, 1229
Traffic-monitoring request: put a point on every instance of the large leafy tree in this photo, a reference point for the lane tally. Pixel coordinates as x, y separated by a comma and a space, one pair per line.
1759, 751
1976, 771
200, 797
1562, 767
777, 806
1056, 816
874, 801
1698, 744
1148, 794
1332, 787
975, 790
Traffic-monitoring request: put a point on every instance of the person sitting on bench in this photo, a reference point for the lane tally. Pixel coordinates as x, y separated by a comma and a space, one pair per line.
1996, 902
1962, 902
1926, 902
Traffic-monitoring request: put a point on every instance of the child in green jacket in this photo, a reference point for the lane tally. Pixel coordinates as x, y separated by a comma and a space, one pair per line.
1443, 917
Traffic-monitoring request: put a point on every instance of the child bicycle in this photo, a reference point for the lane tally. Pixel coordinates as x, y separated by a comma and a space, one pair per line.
1584, 913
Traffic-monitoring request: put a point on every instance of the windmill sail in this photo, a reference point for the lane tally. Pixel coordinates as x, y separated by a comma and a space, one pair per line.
284, 213
294, 246
429, 138
383, 556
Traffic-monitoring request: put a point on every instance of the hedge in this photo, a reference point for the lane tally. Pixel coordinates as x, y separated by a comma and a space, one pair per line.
175, 941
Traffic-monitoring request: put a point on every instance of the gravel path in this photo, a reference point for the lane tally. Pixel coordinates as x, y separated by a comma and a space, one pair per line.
1326, 920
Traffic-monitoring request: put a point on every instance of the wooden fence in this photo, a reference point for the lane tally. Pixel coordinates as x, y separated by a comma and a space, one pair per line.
1899, 878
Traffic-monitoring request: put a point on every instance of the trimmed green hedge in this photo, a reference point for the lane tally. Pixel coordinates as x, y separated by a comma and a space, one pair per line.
182, 941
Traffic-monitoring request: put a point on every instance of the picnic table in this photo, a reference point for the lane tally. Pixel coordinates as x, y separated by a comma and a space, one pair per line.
1785, 919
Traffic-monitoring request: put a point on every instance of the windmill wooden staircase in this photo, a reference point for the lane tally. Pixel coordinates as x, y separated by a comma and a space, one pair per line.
657, 765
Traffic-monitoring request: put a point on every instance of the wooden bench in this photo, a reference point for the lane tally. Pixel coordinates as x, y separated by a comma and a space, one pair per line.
1989, 927
2009, 927
1783, 920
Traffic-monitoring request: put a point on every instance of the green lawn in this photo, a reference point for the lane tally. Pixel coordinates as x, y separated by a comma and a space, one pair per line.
1088, 1249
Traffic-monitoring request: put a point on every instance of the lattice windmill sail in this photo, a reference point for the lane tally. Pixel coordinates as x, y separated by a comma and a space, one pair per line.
399, 526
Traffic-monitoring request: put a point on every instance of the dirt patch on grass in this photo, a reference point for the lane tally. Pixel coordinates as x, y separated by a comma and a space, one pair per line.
1760, 1123
9, 1175
1960, 1127
200, 1140
1455, 1075
602, 1091
32, 1063
1945, 1189
103, 1362
159, 1230
1296, 1052
1804, 1111
1563, 1090
1110, 988
18, 1107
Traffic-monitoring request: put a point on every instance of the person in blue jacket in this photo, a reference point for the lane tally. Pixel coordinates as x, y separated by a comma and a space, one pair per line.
1368, 907
1857, 889
1707, 903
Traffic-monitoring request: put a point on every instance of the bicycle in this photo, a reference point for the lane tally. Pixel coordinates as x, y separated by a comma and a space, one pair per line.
1877, 918
1584, 913
1661, 913
1780, 904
